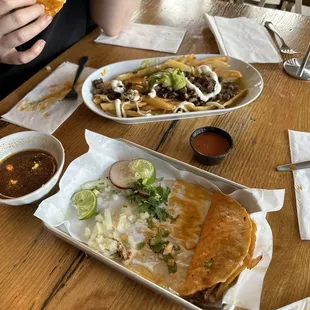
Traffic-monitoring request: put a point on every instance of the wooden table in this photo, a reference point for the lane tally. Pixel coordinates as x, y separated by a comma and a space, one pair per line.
39, 271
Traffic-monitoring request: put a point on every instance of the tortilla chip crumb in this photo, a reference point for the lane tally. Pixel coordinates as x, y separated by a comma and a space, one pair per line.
299, 187
48, 68
45, 114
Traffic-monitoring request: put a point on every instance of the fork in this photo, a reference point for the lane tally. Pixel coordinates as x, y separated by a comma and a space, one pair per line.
285, 49
72, 94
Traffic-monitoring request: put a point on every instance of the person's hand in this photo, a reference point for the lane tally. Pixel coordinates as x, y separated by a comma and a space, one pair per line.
20, 21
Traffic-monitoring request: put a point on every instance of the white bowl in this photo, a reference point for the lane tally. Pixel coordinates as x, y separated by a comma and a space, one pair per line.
252, 80
26, 140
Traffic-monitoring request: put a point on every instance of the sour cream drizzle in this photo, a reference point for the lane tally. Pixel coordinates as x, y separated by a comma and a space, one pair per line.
117, 86
118, 103
136, 95
123, 108
182, 106
206, 70
152, 92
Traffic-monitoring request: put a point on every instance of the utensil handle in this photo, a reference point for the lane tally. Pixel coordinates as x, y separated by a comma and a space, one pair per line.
82, 64
304, 62
271, 27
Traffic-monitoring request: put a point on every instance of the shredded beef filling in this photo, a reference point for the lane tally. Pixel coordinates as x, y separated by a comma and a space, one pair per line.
100, 89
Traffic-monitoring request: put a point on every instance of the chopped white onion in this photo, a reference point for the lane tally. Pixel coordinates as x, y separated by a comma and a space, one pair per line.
87, 232
108, 219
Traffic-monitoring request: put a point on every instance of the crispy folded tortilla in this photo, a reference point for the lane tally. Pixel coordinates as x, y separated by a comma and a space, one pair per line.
225, 248
52, 7
190, 203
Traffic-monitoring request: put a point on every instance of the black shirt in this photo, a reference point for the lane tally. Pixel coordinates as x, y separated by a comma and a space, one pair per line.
70, 25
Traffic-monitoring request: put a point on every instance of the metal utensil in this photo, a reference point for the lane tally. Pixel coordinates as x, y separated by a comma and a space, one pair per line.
72, 94
298, 68
285, 49
293, 167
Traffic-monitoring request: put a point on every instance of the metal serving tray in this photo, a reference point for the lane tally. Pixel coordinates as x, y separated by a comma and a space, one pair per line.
225, 185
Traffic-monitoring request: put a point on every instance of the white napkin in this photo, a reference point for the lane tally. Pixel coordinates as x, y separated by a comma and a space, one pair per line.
148, 37
303, 304
42, 108
243, 38
300, 151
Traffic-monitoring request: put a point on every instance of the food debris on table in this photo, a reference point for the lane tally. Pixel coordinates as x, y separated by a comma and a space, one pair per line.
42, 104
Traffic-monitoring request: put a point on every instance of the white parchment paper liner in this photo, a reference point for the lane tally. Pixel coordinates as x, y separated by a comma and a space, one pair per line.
103, 152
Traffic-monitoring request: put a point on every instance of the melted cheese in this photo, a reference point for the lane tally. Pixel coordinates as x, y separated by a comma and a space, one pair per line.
192, 203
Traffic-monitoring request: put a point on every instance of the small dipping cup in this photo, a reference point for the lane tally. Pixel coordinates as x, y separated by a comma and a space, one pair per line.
212, 146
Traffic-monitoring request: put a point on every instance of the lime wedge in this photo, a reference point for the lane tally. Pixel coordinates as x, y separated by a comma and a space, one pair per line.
85, 202
142, 169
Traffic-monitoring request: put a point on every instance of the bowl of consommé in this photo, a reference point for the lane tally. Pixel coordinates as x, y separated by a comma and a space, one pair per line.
211, 145
30, 166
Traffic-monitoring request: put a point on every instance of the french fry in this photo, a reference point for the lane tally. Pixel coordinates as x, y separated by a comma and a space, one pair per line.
127, 106
229, 75
234, 99
157, 112
200, 108
185, 59
113, 113
218, 65
148, 107
159, 103
125, 76
178, 65
132, 113
142, 72
136, 80
207, 61
97, 100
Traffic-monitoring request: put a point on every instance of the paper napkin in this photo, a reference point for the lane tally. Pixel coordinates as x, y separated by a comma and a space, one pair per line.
303, 304
148, 37
243, 38
42, 108
300, 151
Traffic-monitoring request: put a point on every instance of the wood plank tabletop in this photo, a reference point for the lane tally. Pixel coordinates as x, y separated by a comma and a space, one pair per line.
39, 271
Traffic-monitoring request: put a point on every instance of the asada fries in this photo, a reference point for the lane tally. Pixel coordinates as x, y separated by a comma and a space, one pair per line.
180, 85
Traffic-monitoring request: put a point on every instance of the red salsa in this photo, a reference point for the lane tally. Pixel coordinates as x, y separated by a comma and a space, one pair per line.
211, 144
25, 172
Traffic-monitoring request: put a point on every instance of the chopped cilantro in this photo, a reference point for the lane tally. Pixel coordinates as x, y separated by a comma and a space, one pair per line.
149, 222
140, 245
172, 265
156, 240
159, 248
207, 264
158, 244
152, 201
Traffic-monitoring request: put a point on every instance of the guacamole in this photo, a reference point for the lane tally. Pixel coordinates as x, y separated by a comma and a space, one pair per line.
175, 79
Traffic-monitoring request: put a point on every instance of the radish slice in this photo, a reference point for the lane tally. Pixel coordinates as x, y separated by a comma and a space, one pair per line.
120, 175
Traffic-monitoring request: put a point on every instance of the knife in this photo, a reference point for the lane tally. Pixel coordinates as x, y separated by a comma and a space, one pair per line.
292, 167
